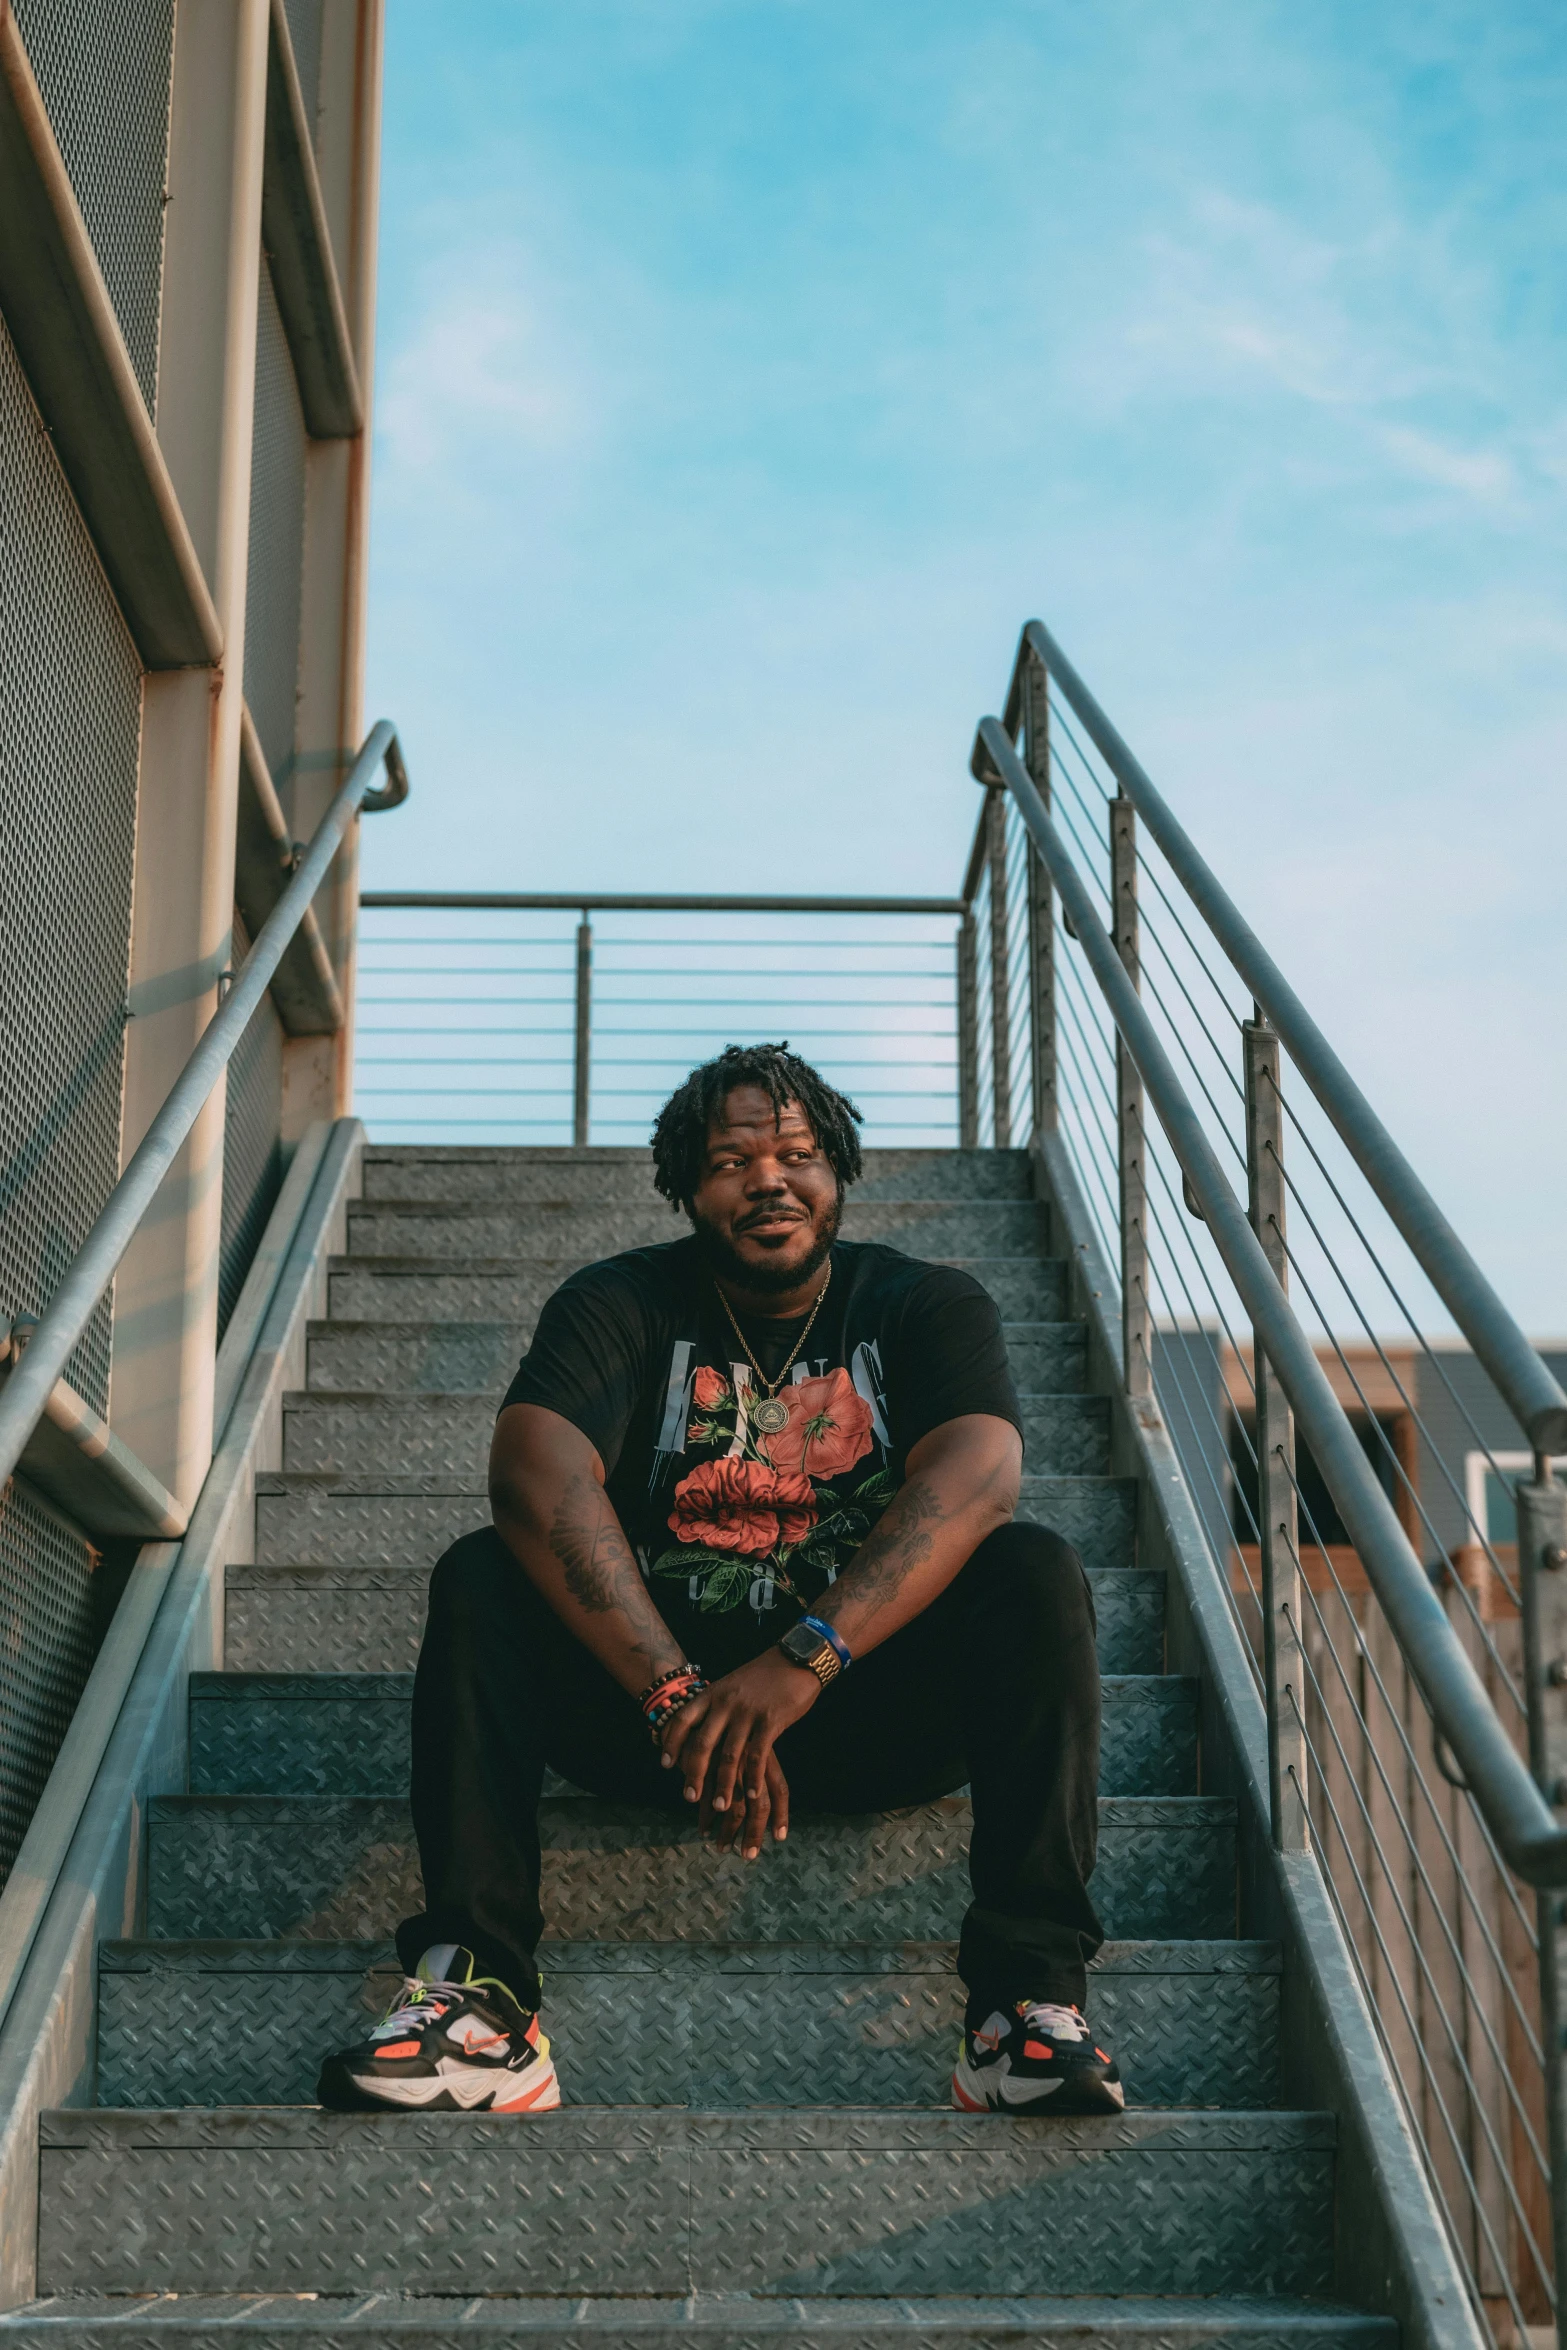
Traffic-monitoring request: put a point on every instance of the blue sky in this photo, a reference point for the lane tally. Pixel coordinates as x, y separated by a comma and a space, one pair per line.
749, 369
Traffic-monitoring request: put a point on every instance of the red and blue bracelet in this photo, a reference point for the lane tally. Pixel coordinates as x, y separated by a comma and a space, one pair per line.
663, 1698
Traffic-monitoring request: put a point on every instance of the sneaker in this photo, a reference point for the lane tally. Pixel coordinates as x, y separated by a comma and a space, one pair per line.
451, 2042
1033, 2056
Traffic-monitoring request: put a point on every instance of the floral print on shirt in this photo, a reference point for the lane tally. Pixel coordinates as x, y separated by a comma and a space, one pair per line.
787, 1507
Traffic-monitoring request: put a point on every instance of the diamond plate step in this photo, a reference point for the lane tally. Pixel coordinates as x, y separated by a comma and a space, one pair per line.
648, 2200
348, 1734
478, 1358
344, 1868
725, 2321
468, 1175
555, 1228
421, 1289
802, 2024
413, 1358
449, 1435
306, 1619
1048, 1358
397, 1521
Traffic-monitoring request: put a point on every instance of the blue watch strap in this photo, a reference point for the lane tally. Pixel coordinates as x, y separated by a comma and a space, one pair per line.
830, 1636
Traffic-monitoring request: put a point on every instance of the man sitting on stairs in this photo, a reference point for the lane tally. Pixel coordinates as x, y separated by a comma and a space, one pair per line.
754, 1431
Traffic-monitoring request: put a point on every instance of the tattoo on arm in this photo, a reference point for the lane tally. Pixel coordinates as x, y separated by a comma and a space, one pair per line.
900, 1541
596, 1559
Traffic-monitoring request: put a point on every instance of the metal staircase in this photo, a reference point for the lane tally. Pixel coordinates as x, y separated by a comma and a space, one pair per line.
756, 2144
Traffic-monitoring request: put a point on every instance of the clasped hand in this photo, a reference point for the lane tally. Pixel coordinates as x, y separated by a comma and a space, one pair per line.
723, 1744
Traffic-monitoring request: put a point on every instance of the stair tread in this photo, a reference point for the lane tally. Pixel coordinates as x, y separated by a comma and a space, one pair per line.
586, 1957
1076, 2319
1227, 2129
1138, 1810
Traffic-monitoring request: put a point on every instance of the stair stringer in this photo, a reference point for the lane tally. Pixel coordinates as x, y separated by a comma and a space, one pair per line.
1394, 2257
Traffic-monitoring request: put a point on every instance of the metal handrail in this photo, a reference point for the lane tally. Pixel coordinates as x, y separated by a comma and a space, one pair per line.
1523, 1380
596, 901
30, 1385
1508, 1797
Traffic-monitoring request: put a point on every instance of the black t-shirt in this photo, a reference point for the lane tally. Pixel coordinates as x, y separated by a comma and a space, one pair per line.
738, 1532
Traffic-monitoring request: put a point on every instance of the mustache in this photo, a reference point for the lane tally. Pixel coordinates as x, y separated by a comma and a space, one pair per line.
777, 1211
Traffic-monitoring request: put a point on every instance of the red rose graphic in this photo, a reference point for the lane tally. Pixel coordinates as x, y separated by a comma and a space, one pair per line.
712, 1389
829, 1427
742, 1506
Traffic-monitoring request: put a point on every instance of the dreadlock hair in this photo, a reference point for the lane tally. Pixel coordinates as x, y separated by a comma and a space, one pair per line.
681, 1128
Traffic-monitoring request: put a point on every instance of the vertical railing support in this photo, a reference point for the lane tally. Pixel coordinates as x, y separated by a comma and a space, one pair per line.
1284, 1675
1542, 1574
1136, 1312
584, 1033
968, 1032
1041, 911
1000, 969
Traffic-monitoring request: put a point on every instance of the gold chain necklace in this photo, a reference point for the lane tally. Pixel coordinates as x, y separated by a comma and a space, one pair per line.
769, 1415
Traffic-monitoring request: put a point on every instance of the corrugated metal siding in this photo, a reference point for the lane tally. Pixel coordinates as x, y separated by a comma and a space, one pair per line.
105, 71
275, 574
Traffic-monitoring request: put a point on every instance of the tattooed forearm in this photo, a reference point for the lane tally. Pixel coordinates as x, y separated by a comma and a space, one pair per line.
900, 1541
595, 1557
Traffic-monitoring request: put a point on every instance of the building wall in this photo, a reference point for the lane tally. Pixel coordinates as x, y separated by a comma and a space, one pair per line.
120, 782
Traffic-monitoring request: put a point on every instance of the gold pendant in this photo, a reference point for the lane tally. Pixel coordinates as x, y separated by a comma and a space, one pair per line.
770, 1416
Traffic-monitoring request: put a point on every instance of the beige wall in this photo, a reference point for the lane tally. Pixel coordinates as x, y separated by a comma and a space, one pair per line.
166, 1294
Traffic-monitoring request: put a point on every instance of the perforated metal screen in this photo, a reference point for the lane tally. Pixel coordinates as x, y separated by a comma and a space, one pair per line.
70, 718
50, 1625
252, 1149
275, 574
104, 71
304, 30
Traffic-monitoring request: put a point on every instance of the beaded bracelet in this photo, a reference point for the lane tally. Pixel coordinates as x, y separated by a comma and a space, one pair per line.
686, 1672
663, 1699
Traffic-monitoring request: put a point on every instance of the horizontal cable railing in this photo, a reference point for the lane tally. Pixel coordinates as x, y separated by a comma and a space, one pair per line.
493, 1018
1288, 1291
31, 1383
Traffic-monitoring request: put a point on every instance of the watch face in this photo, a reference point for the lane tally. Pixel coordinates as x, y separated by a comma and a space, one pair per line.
802, 1644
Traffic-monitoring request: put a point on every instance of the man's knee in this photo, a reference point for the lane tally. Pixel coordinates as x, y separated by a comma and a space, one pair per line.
1036, 1573
476, 1581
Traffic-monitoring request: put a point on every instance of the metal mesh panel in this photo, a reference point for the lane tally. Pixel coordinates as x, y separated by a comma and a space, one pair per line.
252, 1144
304, 30
275, 574
105, 73
49, 1631
70, 719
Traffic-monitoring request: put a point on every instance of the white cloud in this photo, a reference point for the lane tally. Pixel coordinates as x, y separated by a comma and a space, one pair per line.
1484, 474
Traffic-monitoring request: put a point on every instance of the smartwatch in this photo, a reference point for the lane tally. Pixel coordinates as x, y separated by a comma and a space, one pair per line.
804, 1646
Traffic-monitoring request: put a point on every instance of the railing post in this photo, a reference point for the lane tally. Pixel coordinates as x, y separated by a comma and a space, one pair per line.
1041, 924
968, 1032
1542, 1574
584, 1033
1136, 1312
1284, 1676
1000, 969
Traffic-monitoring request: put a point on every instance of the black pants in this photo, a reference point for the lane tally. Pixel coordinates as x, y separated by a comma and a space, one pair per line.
996, 1685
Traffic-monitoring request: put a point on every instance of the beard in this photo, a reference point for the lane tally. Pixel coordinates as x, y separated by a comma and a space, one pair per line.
769, 1278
